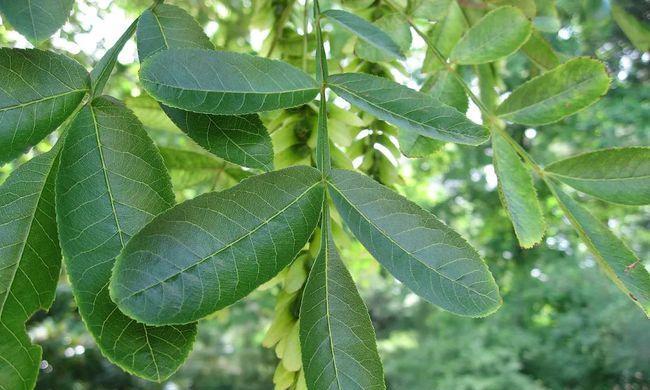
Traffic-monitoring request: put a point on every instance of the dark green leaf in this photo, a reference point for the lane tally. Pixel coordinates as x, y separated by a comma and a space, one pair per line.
443, 86
637, 32
431, 259
38, 91
413, 145
337, 340
30, 260
36, 19
102, 71
211, 251
498, 34
618, 262
406, 108
556, 94
517, 193
112, 182
615, 175
224, 83
367, 31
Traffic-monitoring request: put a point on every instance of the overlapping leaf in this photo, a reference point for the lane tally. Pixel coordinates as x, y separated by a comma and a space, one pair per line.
617, 261
30, 260
112, 182
620, 175
337, 339
38, 91
539, 50
498, 34
36, 19
447, 31
431, 259
406, 108
224, 83
399, 31
563, 91
209, 252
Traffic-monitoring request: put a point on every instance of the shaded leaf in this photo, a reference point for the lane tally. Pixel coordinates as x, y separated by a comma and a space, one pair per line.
620, 175
539, 50
38, 91
399, 31
406, 108
498, 34
36, 19
449, 28
30, 260
557, 93
443, 86
618, 262
112, 182
224, 83
211, 251
637, 32
365, 30
413, 145
102, 71
431, 259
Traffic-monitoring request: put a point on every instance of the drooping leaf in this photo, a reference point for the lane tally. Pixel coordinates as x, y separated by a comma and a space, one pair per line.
636, 31
618, 262
406, 108
112, 182
498, 34
558, 93
38, 91
517, 193
102, 71
399, 31
337, 340
431, 259
445, 34
36, 19
365, 30
30, 260
620, 175
224, 83
209, 252
539, 50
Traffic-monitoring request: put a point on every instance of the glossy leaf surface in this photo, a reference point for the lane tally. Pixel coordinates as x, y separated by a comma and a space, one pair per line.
36, 19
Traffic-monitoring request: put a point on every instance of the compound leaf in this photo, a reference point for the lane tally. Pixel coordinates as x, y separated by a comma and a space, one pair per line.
112, 182
38, 91
498, 34
209, 252
30, 260
620, 175
558, 93
36, 19
431, 259
224, 83
406, 108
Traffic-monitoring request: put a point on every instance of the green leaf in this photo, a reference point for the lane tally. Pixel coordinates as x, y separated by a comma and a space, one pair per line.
38, 91
224, 83
618, 262
620, 175
556, 94
365, 30
211, 251
413, 145
528, 7
539, 50
399, 31
102, 71
36, 19
30, 260
636, 31
445, 34
517, 193
337, 340
498, 34
406, 108
443, 86
112, 182
547, 19
431, 259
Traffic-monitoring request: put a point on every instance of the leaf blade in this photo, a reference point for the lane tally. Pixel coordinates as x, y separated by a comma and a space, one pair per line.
36, 19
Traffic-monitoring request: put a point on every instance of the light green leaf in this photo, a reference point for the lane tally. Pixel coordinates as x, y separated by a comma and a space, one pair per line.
102, 71
445, 34
547, 19
38, 91
30, 260
36, 19
413, 145
539, 50
620, 175
365, 30
528, 7
337, 340
637, 32
517, 193
211, 251
224, 83
618, 262
558, 93
431, 259
112, 182
399, 31
407, 109
498, 34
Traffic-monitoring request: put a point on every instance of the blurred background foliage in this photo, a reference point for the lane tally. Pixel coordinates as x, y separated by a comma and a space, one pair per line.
563, 324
